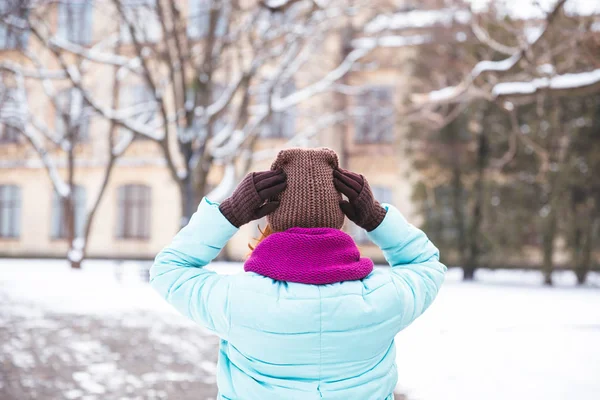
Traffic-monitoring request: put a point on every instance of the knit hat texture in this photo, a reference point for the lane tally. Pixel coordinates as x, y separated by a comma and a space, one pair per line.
310, 199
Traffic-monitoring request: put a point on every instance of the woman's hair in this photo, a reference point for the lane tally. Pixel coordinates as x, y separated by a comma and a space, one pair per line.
264, 233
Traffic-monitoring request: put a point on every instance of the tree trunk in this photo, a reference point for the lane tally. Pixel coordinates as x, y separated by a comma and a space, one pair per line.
188, 202
477, 215
341, 100
69, 201
459, 215
583, 249
549, 236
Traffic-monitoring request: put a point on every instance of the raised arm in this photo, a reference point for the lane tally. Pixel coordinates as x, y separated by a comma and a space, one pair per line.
178, 273
415, 267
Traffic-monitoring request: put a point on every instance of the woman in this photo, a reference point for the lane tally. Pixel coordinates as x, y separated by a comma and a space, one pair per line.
310, 318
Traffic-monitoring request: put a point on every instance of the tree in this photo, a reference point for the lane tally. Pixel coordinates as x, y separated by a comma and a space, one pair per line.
202, 74
72, 131
524, 62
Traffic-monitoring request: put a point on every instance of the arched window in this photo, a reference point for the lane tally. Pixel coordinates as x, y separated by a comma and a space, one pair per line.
133, 211
10, 211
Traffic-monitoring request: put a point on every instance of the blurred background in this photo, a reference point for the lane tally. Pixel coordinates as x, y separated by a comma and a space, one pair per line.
478, 119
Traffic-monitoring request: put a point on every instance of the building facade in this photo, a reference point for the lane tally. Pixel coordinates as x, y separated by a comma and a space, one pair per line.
140, 210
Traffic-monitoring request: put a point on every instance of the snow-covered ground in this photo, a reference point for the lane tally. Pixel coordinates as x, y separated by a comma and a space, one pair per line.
503, 337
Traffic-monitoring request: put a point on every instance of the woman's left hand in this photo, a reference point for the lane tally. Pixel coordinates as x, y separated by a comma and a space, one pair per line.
250, 200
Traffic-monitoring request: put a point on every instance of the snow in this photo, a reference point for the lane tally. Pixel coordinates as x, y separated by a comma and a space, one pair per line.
533, 33
323, 84
532, 9
502, 65
504, 336
391, 41
443, 94
558, 82
515, 9
417, 19
276, 3
546, 69
509, 338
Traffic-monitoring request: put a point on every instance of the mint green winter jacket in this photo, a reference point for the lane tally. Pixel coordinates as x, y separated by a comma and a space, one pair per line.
292, 341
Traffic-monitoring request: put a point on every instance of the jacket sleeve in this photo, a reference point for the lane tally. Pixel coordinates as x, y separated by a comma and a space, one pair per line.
415, 267
178, 272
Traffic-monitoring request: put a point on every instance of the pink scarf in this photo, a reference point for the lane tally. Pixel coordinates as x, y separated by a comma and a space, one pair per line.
315, 256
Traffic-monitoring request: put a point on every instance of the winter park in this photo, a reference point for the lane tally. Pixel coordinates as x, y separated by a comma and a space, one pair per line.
300, 199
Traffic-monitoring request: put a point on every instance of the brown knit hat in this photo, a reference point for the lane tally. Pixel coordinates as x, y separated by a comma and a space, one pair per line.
310, 199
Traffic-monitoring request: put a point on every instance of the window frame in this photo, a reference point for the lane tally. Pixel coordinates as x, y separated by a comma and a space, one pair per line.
12, 38
149, 30
13, 202
79, 200
66, 99
370, 110
198, 19
9, 134
83, 18
134, 211
280, 124
132, 95
10, 98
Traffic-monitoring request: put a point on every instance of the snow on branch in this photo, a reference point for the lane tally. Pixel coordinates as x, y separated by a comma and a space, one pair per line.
496, 66
94, 55
61, 187
484, 37
391, 41
302, 138
29, 73
418, 19
558, 82
452, 93
281, 104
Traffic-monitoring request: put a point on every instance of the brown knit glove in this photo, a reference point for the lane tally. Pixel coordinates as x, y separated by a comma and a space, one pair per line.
249, 200
361, 208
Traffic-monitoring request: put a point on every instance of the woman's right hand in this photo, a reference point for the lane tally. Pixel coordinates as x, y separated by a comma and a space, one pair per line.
250, 199
361, 208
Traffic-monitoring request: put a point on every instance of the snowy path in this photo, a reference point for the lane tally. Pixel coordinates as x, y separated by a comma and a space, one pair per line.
85, 335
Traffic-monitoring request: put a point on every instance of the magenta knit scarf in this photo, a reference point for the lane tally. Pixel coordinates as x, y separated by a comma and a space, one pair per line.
315, 256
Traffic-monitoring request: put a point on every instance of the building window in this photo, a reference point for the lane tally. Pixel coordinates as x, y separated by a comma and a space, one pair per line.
73, 117
199, 128
281, 124
12, 111
374, 118
133, 217
142, 16
139, 103
75, 21
13, 25
9, 134
9, 113
382, 194
59, 214
199, 19
10, 211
